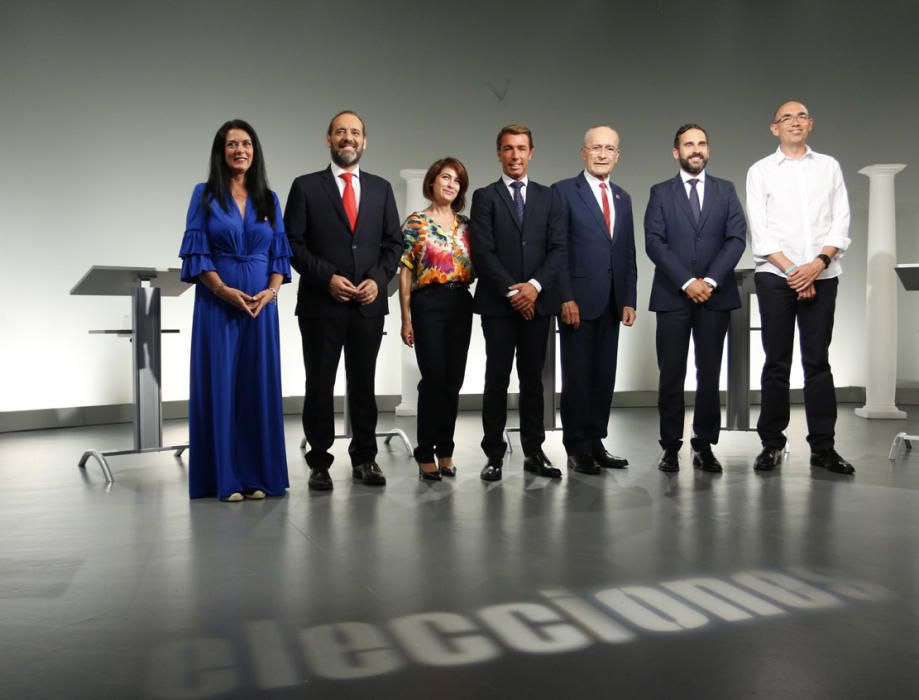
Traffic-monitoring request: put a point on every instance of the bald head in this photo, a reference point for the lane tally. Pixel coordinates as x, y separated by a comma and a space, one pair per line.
600, 151
791, 125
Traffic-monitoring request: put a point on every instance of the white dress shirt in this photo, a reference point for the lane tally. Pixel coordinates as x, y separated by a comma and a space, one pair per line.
700, 190
594, 183
507, 179
797, 207
355, 182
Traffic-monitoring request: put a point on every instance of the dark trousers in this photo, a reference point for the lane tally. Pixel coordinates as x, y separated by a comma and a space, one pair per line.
588, 360
779, 309
707, 328
323, 341
506, 336
442, 322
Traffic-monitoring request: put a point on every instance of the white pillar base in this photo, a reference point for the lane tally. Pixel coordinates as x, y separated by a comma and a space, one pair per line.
888, 412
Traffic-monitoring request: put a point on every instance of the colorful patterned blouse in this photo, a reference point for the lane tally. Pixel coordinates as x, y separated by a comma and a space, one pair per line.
435, 255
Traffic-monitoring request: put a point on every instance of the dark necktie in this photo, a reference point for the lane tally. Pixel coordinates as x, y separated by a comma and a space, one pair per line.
518, 200
349, 200
694, 202
606, 212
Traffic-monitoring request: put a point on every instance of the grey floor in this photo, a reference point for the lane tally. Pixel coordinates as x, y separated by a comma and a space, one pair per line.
628, 584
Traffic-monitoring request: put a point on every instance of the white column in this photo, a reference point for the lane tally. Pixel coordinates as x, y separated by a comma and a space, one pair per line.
414, 201
881, 296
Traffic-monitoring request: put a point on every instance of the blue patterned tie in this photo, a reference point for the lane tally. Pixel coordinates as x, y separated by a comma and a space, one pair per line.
518, 200
694, 203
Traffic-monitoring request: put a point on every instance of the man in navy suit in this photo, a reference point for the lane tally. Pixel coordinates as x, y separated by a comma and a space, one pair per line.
597, 292
517, 242
695, 233
344, 231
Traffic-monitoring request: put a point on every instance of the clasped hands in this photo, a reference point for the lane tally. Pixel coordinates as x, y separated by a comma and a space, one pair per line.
699, 291
343, 290
524, 300
251, 305
802, 279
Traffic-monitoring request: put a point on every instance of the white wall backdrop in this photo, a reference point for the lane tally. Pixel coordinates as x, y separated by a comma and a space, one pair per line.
107, 111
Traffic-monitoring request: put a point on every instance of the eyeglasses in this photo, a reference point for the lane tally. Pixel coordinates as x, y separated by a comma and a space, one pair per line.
789, 118
597, 149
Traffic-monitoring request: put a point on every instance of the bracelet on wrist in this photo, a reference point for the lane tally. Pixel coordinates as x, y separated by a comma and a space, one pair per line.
790, 269
825, 259
220, 285
274, 293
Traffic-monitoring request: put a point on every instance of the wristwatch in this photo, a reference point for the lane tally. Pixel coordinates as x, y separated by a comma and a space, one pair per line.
825, 258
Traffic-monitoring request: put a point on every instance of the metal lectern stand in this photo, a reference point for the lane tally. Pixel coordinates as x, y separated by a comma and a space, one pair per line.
909, 278
144, 285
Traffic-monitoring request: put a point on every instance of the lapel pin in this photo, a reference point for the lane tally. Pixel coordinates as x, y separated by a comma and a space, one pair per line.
618, 196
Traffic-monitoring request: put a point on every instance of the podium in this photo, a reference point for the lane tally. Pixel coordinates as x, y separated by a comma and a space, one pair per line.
909, 278
144, 285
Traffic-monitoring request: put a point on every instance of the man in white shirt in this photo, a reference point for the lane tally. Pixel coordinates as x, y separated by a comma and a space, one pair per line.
799, 224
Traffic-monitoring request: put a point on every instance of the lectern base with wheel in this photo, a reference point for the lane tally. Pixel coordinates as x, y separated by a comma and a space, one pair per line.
144, 285
909, 278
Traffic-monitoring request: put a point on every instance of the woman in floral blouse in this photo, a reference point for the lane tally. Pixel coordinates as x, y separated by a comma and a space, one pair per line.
437, 310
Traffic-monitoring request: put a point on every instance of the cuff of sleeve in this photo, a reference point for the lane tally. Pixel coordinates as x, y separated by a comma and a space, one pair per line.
536, 284
405, 262
711, 283
194, 242
687, 283
194, 265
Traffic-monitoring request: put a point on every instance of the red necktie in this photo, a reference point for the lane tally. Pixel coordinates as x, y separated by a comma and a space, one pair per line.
606, 214
349, 200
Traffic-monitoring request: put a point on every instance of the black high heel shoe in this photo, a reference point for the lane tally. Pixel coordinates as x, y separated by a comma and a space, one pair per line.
428, 476
448, 471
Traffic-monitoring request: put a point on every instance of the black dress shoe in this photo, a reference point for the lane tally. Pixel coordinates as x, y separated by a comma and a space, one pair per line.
706, 461
831, 461
492, 470
768, 459
369, 473
670, 462
608, 461
429, 476
583, 464
320, 480
537, 463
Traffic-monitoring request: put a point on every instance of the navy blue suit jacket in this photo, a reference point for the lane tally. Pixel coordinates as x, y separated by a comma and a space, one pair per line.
505, 253
595, 262
323, 244
682, 250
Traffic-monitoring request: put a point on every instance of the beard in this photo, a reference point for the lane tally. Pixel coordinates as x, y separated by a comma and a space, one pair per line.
343, 158
693, 169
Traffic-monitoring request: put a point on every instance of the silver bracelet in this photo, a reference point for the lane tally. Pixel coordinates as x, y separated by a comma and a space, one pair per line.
220, 285
274, 291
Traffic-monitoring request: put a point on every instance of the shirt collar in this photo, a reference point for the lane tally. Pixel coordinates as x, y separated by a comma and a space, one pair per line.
781, 157
508, 180
337, 170
593, 180
686, 177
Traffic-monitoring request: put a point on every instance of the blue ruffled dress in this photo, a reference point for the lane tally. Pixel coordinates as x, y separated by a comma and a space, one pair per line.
235, 423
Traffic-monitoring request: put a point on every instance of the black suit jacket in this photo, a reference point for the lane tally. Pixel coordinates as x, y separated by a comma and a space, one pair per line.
596, 262
681, 249
323, 244
506, 253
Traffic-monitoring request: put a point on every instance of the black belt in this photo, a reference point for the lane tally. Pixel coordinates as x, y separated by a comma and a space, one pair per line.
442, 285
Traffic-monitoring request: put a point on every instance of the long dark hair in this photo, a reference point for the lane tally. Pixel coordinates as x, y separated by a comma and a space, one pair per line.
218, 180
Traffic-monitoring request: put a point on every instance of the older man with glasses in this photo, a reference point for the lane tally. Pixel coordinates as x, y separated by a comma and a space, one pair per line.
798, 210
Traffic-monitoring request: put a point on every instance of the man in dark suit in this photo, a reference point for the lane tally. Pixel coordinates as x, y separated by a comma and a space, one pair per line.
344, 231
695, 233
518, 246
597, 289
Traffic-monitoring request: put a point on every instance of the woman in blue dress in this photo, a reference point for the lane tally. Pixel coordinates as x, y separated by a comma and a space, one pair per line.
236, 252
